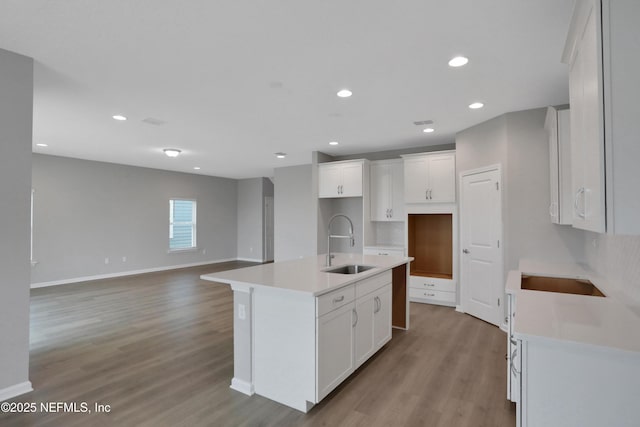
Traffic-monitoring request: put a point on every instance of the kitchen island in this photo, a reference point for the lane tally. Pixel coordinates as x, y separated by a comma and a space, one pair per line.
300, 330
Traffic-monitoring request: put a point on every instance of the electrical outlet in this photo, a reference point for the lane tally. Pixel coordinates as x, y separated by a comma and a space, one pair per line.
242, 314
106, 261
204, 251
251, 249
124, 259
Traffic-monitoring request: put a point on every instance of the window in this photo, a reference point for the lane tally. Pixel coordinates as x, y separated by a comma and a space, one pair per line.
182, 224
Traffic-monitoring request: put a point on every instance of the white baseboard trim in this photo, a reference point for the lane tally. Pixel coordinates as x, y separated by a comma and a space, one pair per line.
249, 259
126, 273
15, 390
241, 386
459, 309
504, 328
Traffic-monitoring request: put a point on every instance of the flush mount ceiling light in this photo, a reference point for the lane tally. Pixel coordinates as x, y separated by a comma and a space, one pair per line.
344, 93
196, 168
172, 152
458, 61
42, 145
281, 155
476, 105
334, 143
119, 117
428, 130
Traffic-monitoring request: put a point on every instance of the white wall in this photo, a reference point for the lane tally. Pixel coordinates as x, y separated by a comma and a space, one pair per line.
295, 212
529, 231
618, 259
87, 211
250, 219
16, 106
519, 143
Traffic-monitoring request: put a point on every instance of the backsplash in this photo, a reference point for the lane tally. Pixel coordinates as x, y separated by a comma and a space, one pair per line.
618, 259
389, 233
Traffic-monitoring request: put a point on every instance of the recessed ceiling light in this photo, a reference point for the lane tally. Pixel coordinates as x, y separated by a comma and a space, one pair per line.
458, 61
476, 105
281, 155
344, 93
119, 117
172, 152
196, 168
428, 130
42, 145
334, 143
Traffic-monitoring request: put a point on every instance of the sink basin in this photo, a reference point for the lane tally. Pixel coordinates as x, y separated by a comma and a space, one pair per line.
562, 285
349, 269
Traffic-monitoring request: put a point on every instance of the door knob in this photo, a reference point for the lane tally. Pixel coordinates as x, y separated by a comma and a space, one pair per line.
466, 251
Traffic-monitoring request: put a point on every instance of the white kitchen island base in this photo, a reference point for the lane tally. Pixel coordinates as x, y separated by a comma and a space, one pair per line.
296, 339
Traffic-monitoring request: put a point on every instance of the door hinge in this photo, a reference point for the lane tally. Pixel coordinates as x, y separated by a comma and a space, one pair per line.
497, 185
498, 243
498, 302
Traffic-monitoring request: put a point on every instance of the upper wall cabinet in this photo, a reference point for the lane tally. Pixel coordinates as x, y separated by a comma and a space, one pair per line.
430, 178
604, 115
340, 179
387, 190
561, 202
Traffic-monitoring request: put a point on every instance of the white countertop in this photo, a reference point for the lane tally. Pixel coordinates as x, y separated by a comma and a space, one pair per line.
604, 322
306, 274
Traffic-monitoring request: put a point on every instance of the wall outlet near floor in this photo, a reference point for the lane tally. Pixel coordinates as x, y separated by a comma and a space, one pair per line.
106, 261
242, 314
204, 251
124, 259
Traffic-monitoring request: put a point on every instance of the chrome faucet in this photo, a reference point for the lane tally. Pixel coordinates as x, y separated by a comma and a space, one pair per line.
352, 240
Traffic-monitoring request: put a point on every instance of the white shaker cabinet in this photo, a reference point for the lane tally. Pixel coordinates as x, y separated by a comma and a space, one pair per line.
353, 324
340, 179
387, 190
430, 178
561, 201
336, 359
604, 115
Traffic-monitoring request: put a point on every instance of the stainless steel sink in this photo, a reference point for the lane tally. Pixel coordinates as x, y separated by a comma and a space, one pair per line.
349, 269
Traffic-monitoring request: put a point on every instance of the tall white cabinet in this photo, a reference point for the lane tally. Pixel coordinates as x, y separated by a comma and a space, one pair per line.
561, 201
387, 190
604, 115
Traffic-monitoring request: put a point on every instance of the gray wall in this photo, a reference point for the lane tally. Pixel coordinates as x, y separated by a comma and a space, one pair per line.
16, 107
530, 233
393, 154
87, 211
295, 212
519, 143
250, 219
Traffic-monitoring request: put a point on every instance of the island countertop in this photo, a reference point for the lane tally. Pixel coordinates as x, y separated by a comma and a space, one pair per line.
308, 274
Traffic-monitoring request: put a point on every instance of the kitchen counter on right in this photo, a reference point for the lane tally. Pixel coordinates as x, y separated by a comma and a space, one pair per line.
585, 319
573, 359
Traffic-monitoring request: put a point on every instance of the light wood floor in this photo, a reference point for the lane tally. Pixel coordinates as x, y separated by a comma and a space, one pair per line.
158, 348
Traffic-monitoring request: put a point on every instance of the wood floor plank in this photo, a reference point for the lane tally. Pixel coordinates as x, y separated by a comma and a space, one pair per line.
158, 348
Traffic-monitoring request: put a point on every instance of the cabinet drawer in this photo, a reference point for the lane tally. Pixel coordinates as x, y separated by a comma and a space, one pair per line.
332, 300
432, 295
373, 283
432, 284
383, 251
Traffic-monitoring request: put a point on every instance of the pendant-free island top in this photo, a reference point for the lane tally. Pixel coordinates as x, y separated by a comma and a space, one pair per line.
300, 330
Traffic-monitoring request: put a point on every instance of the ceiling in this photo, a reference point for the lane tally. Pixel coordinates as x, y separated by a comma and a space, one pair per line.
236, 81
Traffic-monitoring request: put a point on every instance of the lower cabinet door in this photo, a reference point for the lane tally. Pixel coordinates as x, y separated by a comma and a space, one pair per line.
335, 357
382, 317
365, 342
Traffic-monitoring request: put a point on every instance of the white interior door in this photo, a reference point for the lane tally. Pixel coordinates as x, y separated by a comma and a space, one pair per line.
480, 235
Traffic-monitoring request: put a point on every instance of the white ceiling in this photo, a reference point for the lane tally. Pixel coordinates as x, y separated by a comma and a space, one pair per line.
236, 81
